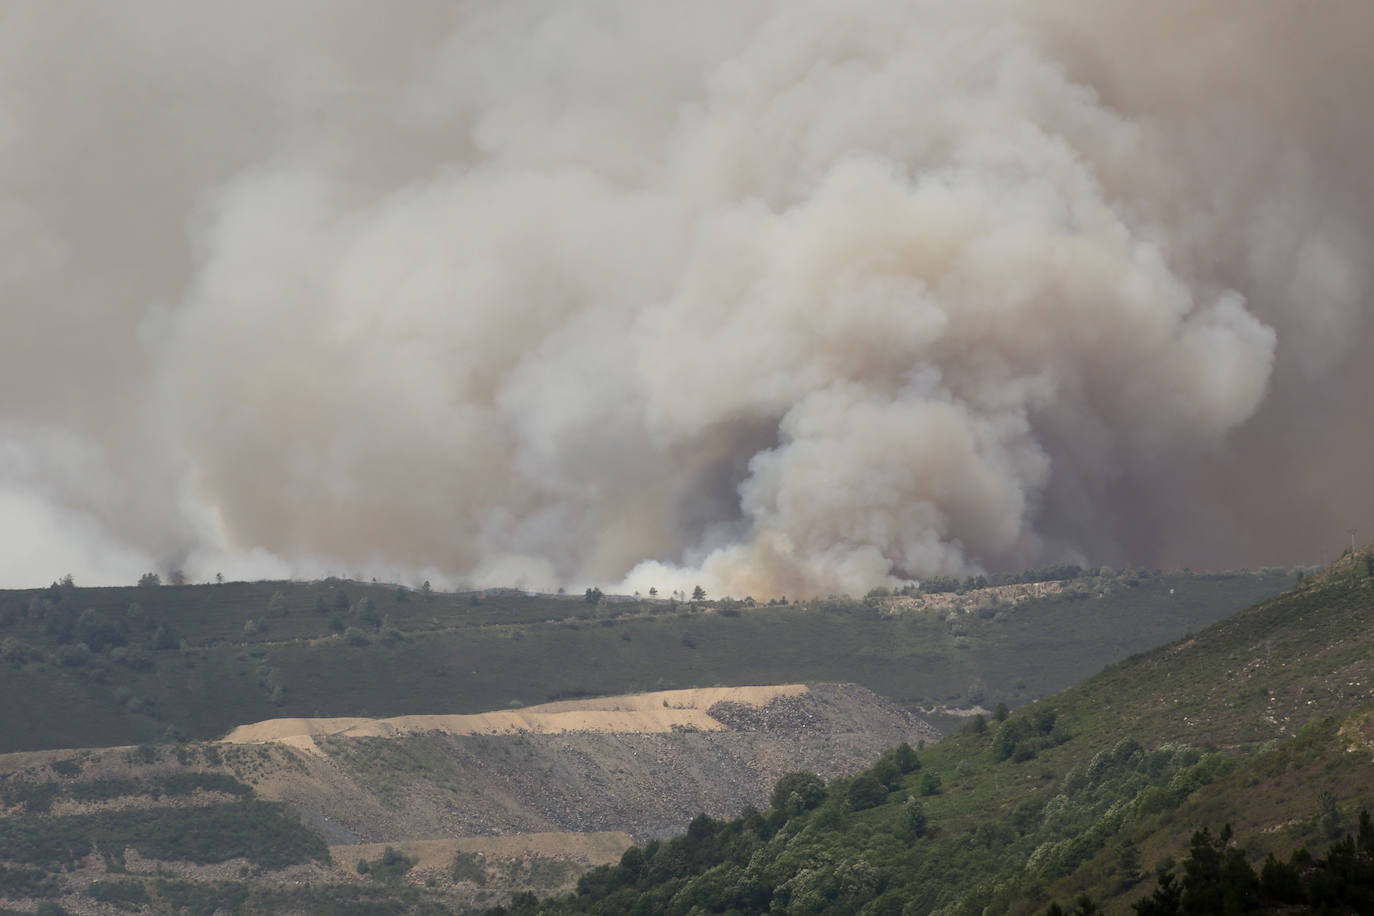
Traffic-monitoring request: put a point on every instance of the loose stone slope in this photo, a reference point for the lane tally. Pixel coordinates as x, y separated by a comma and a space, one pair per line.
529, 798
643, 764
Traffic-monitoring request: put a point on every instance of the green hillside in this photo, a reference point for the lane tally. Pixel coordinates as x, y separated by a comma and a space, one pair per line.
1263, 721
107, 666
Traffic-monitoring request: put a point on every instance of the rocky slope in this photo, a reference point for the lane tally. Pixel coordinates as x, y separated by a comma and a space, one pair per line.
644, 765
483, 806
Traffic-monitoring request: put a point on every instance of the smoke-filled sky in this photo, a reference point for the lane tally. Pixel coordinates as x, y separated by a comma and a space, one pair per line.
794, 297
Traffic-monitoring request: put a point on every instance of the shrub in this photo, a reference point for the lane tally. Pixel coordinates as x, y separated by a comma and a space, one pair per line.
471, 866
73, 655
806, 787
25, 882
165, 638
262, 832
886, 771
914, 818
36, 798
135, 657
100, 631
203, 897
13, 652
905, 758
66, 767
365, 612
865, 791
390, 866
124, 895
276, 605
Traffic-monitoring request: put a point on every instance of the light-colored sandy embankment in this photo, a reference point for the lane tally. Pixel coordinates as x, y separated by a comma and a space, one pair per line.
661, 711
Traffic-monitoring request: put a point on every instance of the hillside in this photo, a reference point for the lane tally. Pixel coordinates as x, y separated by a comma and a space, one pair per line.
1093, 790
486, 805
112, 666
642, 765
1009, 816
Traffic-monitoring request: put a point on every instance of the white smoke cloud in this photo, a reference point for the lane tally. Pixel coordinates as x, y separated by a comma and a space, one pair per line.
769, 297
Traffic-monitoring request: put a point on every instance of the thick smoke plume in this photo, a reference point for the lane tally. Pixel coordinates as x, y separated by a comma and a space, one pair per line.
795, 297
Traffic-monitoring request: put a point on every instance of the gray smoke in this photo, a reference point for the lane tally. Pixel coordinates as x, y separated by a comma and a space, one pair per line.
772, 297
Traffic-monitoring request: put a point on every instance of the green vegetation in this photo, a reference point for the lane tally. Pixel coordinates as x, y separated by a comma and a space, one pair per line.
127, 894
37, 797
869, 845
196, 898
106, 666
797, 792
20, 882
263, 833
543, 873
389, 868
1217, 878
1263, 721
470, 866
1022, 738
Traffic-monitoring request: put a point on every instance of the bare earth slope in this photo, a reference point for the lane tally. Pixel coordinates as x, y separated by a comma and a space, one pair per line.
643, 764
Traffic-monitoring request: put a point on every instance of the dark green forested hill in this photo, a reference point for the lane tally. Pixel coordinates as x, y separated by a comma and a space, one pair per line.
102, 666
1264, 721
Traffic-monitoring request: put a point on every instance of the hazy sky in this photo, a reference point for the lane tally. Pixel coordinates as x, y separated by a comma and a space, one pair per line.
795, 297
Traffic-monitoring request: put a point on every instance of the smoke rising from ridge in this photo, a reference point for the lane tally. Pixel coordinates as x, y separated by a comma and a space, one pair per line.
771, 297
